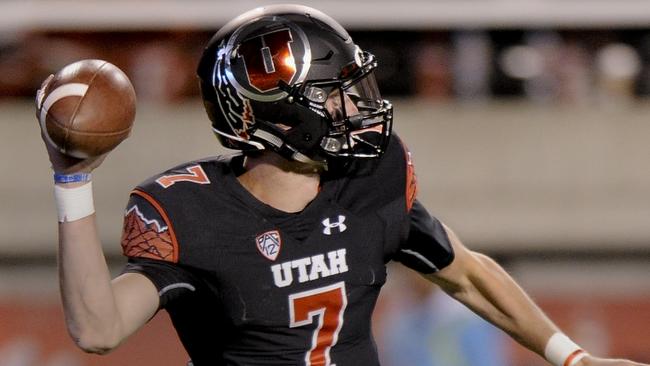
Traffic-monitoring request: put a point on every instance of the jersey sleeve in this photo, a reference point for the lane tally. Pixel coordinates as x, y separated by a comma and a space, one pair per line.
172, 281
427, 248
149, 242
147, 232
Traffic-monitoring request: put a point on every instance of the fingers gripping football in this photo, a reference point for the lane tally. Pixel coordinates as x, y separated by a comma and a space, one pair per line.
85, 110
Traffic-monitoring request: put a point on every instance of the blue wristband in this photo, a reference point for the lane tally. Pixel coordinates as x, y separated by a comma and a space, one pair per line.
72, 178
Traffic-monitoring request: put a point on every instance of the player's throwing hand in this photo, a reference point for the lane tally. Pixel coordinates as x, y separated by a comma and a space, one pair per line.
62, 163
595, 361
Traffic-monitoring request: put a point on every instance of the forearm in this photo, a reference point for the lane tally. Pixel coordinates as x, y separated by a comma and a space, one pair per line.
99, 313
88, 301
492, 293
485, 287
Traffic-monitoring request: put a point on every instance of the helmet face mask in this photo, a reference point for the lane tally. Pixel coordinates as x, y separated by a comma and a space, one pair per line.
288, 78
359, 120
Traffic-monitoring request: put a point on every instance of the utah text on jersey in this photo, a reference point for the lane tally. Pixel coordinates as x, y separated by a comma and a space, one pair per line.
310, 268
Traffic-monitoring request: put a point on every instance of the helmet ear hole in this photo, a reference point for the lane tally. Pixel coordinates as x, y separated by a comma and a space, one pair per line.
305, 137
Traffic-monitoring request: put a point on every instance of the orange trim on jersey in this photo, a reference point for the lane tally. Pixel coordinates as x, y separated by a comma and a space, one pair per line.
162, 213
411, 179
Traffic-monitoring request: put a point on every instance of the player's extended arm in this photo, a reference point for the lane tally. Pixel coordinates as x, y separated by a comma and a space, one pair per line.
485, 287
99, 313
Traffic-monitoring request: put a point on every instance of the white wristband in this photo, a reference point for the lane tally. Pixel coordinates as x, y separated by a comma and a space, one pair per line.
74, 203
562, 351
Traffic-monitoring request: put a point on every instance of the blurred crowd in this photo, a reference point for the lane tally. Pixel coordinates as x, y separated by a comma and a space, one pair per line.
566, 66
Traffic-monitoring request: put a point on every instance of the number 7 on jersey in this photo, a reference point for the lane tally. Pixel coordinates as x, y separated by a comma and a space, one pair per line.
327, 304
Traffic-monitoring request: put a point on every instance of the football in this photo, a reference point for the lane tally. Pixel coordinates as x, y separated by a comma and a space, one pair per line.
87, 108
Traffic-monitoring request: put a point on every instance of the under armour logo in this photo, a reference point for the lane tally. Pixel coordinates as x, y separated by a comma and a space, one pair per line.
329, 225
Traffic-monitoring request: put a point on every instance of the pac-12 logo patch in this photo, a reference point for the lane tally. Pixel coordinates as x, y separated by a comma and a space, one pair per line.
269, 244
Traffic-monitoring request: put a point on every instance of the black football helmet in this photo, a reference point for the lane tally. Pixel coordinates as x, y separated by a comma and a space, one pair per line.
289, 78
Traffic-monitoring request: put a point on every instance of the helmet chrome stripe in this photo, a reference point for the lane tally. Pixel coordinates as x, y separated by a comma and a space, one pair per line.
257, 145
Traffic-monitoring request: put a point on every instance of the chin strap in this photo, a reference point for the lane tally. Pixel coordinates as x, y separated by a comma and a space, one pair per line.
286, 151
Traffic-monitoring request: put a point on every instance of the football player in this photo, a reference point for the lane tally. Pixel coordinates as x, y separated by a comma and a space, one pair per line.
276, 255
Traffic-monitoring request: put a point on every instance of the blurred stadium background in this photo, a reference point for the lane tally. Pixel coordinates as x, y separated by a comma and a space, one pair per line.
528, 120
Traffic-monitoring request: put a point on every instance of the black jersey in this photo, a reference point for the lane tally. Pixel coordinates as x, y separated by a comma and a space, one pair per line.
247, 284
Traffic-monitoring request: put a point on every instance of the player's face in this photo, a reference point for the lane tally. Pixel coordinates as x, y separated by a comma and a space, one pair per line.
340, 105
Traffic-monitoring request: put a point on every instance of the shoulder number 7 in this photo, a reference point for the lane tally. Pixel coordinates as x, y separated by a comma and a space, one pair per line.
328, 305
195, 174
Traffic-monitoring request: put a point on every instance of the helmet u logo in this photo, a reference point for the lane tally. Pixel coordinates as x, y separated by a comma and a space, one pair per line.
268, 59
